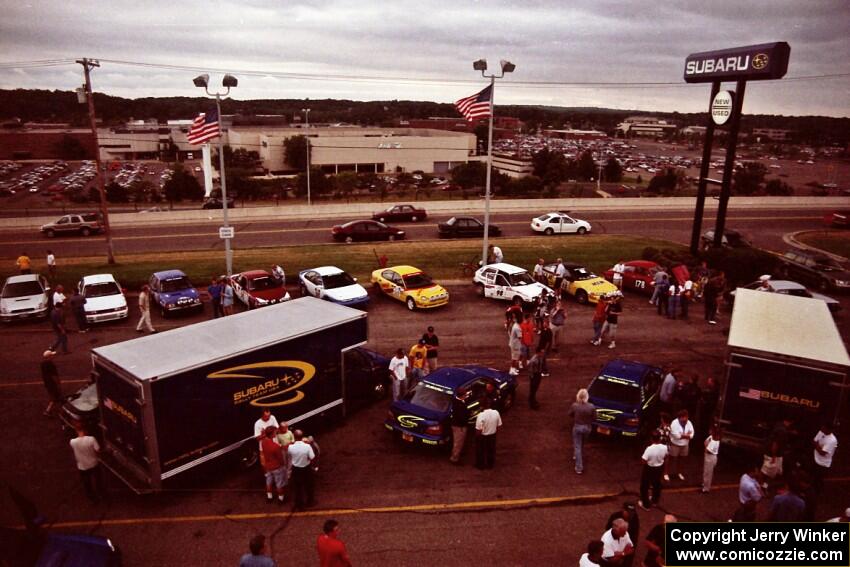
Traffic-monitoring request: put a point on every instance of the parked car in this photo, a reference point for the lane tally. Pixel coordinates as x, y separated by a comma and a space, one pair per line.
838, 219
411, 286
787, 287
505, 281
105, 299
333, 284
84, 224
638, 276
559, 223
625, 394
365, 230
258, 288
24, 297
423, 415
818, 270
730, 239
172, 292
458, 227
217, 203
584, 285
399, 213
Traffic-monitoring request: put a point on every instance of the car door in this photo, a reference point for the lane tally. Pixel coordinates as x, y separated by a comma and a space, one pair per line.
154, 285
359, 231
405, 212
63, 224
308, 280
241, 287
568, 224
359, 380
489, 276
502, 287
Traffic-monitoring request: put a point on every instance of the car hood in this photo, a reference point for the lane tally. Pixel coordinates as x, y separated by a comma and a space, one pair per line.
191, 293
429, 291
105, 302
23, 302
347, 293
270, 294
532, 290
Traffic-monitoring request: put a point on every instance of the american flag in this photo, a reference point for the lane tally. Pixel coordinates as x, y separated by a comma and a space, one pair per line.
204, 128
476, 106
750, 393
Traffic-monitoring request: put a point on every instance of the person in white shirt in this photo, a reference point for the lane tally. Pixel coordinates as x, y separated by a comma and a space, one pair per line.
593, 557
59, 295
278, 274
86, 450
260, 426
653, 466
681, 433
825, 444
487, 424
496, 254
560, 272
616, 543
618, 269
51, 265
712, 447
399, 365
537, 271
301, 454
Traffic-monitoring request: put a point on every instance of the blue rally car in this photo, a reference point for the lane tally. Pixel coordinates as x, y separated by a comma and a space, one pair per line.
625, 394
172, 291
423, 416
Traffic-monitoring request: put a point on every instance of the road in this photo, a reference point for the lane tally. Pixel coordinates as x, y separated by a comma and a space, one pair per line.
766, 228
397, 505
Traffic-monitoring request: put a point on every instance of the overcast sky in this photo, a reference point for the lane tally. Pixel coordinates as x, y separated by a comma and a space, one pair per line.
424, 49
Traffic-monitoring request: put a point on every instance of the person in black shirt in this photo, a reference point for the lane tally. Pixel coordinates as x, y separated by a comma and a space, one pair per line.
433, 345
50, 377
460, 424
655, 543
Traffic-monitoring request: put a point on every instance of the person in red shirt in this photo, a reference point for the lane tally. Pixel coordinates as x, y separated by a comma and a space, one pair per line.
528, 332
273, 465
332, 552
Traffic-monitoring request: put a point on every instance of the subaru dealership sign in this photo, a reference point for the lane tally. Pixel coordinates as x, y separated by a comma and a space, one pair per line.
750, 63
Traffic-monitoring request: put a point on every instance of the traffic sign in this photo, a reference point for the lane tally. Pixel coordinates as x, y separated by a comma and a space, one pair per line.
226, 232
721, 107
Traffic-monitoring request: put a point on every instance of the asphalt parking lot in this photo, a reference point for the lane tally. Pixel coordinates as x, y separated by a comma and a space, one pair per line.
397, 505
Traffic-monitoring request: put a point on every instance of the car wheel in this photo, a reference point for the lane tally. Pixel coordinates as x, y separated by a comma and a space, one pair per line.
508, 402
411, 304
391, 237
49, 233
581, 297
349, 239
823, 284
414, 218
549, 231
480, 289
381, 219
85, 231
581, 230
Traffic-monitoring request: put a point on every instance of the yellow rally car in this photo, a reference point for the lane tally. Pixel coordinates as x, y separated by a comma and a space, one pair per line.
585, 286
410, 285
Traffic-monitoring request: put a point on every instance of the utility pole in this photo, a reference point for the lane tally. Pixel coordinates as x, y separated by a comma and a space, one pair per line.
104, 207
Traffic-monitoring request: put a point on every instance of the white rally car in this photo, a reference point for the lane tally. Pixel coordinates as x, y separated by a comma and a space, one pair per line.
332, 284
505, 281
105, 299
559, 222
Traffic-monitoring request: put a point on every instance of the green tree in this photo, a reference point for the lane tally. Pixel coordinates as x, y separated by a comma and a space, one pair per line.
778, 188
295, 152
529, 185
664, 183
182, 185
748, 179
116, 193
613, 171
71, 148
140, 190
469, 175
320, 184
586, 167
345, 182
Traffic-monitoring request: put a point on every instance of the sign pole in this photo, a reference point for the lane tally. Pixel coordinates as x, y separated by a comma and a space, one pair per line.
729, 165
708, 142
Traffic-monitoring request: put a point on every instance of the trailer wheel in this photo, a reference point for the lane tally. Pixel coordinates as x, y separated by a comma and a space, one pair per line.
249, 455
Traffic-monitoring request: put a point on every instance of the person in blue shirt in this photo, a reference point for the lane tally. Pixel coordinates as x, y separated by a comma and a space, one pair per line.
214, 290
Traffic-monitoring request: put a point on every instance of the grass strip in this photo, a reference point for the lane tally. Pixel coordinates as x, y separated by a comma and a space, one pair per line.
835, 242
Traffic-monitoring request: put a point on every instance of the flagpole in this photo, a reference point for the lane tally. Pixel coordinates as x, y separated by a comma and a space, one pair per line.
486, 243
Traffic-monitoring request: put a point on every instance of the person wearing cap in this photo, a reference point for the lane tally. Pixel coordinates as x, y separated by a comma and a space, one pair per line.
628, 513
765, 283
50, 377
418, 367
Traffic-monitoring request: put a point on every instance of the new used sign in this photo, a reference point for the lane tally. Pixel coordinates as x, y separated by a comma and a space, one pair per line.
749, 63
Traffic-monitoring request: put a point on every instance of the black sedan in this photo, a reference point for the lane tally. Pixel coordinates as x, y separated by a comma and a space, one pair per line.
365, 230
459, 227
399, 213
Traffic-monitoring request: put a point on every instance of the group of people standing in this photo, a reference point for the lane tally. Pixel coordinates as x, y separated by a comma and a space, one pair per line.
406, 369
221, 297
672, 295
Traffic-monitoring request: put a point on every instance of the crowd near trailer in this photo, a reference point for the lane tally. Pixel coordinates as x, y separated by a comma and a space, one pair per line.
172, 401
785, 359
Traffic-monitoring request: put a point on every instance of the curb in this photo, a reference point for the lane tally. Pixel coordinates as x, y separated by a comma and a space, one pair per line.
791, 239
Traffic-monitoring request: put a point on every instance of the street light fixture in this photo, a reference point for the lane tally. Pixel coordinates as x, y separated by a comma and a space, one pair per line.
507, 67
306, 112
229, 81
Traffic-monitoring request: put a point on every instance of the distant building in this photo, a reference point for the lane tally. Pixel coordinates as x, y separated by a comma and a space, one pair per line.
43, 141
645, 126
693, 131
503, 126
773, 134
573, 134
512, 165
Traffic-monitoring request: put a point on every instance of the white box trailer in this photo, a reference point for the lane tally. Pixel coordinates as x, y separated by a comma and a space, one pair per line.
785, 358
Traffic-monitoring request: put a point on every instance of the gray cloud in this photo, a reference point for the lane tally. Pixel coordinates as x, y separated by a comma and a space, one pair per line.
580, 41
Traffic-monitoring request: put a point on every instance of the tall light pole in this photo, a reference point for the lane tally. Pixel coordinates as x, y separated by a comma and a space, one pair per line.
202, 81
104, 207
507, 67
306, 112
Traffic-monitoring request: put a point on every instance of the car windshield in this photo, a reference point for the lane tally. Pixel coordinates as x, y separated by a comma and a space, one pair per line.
796, 292
580, 274
101, 289
451, 221
615, 390
417, 280
429, 398
543, 217
22, 289
176, 284
334, 281
523, 278
264, 282
827, 265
